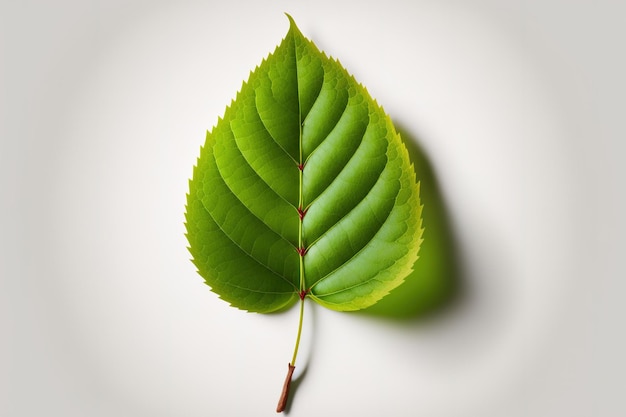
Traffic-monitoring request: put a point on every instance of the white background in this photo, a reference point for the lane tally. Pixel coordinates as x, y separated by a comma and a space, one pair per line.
103, 108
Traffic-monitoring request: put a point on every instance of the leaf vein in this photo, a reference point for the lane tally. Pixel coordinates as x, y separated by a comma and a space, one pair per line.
367, 281
230, 284
244, 204
352, 258
272, 136
245, 251
331, 130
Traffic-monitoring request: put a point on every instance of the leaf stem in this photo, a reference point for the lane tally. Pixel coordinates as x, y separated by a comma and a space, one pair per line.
295, 351
284, 395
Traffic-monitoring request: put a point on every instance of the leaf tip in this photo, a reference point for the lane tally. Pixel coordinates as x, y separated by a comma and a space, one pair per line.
293, 28
291, 21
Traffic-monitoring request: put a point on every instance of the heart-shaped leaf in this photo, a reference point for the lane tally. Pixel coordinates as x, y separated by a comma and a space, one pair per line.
303, 189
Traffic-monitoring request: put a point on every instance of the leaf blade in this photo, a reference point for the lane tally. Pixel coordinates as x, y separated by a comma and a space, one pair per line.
307, 177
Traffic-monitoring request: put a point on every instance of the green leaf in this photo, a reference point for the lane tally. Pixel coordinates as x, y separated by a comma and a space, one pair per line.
303, 188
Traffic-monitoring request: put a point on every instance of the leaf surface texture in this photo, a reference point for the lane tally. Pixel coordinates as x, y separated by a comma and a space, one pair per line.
303, 187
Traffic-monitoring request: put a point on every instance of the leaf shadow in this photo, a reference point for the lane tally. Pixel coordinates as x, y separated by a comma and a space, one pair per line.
436, 282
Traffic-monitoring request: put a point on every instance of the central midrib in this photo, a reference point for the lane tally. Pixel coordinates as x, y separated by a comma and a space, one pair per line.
300, 211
